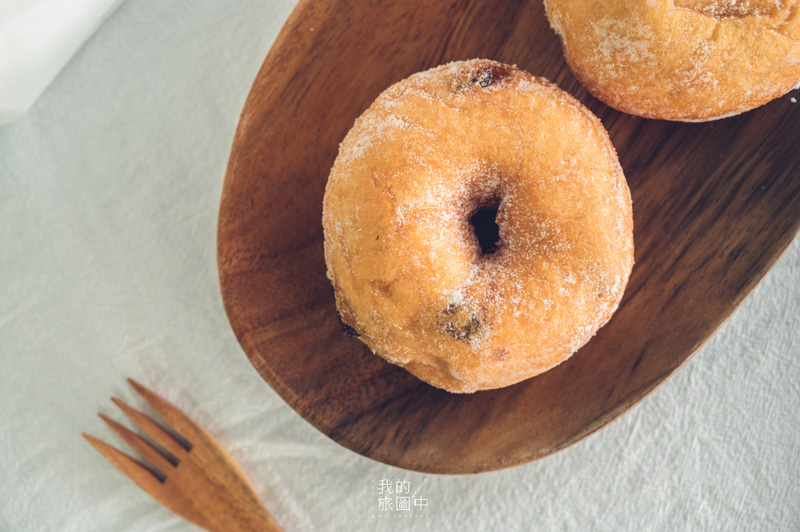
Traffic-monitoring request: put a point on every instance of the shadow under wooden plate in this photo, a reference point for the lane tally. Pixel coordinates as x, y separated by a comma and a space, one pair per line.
715, 204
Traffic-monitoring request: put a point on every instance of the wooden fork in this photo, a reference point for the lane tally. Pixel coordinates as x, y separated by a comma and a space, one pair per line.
191, 474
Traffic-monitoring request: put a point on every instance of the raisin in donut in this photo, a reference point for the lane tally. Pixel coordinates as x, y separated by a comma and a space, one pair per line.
688, 60
477, 225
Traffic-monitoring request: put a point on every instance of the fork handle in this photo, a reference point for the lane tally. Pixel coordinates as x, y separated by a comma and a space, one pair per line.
253, 519
239, 510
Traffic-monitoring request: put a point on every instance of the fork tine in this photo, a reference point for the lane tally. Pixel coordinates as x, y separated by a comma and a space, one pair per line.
134, 470
163, 463
152, 429
177, 419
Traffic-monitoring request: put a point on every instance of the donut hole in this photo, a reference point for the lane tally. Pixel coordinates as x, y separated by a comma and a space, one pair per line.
484, 225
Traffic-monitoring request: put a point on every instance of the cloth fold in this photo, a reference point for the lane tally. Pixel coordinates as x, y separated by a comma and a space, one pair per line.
37, 38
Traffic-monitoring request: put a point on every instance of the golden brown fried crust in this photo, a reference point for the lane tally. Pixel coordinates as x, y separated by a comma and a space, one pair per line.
408, 271
688, 60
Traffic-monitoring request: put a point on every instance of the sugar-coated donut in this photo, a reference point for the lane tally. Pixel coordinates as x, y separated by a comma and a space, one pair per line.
478, 226
688, 60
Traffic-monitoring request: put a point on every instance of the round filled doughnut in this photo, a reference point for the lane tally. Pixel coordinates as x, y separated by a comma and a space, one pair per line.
478, 226
687, 60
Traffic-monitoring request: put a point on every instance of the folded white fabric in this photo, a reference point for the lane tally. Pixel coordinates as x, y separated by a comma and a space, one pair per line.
37, 38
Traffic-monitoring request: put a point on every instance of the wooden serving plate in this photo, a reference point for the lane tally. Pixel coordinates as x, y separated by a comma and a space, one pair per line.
715, 204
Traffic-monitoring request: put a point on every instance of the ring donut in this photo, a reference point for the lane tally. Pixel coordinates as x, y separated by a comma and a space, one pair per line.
478, 226
688, 60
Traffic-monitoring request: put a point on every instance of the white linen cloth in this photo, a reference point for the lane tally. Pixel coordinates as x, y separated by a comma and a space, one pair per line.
109, 192
37, 38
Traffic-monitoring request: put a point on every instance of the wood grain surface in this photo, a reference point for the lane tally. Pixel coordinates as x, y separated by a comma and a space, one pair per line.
715, 204
187, 470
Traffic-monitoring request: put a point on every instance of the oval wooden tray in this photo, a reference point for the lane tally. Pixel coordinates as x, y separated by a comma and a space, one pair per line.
715, 204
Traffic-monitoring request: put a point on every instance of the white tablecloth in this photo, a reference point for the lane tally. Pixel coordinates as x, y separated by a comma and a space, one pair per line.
37, 38
109, 189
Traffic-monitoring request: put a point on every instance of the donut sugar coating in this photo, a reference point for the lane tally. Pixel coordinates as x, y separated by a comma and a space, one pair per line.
478, 226
687, 60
